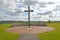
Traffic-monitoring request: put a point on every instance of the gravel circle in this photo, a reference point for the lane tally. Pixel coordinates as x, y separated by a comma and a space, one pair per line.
26, 30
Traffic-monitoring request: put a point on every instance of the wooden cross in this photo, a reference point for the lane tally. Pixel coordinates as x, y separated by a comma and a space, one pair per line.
28, 15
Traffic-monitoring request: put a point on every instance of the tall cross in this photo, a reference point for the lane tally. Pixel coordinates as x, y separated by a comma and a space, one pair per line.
28, 15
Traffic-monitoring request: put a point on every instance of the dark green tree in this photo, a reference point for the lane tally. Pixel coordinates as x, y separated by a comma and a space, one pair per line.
49, 21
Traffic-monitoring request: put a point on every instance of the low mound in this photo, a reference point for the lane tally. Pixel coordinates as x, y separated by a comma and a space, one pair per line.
33, 30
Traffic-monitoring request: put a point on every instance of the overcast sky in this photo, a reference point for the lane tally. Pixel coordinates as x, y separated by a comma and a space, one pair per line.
44, 10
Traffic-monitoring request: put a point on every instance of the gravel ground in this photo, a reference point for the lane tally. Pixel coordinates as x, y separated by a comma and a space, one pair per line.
26, 30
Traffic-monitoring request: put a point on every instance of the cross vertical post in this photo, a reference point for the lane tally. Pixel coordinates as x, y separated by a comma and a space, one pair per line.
28, 15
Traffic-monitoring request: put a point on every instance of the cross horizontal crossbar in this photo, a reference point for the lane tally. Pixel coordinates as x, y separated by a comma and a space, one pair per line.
29, 10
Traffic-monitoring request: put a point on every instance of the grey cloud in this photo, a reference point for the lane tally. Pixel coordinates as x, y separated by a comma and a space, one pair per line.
17, 13
42, 4
36, 17
48, 12
57, 8
51, 3
3, 9
50, 16
1, 3
29, 2
57, 5
7, 18
19, 5
0, 17
45, 13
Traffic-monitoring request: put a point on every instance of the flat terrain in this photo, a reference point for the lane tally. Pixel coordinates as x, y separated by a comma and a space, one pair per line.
5, 35
54, 35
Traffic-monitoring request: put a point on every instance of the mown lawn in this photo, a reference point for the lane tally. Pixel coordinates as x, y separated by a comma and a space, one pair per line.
5, 35
54, 35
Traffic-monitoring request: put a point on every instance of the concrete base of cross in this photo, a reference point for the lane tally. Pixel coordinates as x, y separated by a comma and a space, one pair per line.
29, 28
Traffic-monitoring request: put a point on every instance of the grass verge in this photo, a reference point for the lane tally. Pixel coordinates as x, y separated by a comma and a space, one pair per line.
5, 35
54, 35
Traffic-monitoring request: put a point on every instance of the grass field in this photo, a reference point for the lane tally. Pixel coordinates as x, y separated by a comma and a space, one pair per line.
54, 35
5, 35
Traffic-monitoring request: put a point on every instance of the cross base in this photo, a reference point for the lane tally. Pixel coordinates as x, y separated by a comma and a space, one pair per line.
29, 28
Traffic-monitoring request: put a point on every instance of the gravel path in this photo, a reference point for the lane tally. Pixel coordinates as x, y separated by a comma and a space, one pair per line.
28, 37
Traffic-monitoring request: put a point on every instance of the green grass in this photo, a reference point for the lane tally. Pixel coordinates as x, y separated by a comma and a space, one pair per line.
54, 35
5, 35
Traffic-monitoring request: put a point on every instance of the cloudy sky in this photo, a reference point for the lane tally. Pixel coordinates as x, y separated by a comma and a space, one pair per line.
44, 10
